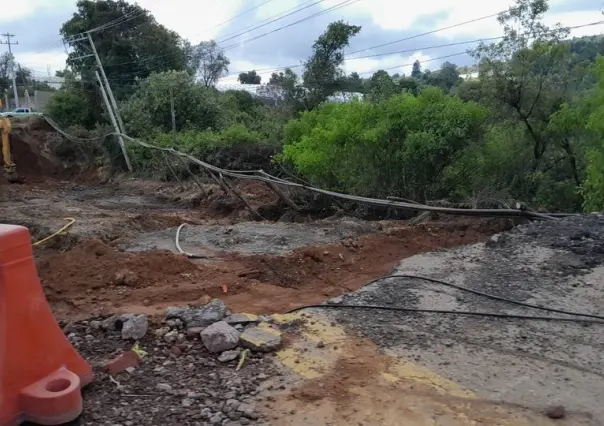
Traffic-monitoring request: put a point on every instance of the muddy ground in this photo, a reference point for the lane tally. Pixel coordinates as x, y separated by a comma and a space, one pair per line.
338, 367
120, 255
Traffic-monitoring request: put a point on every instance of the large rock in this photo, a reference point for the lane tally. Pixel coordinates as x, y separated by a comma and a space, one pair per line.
235, 319
175, 312
220, 337
135, 327
200, 317
261, 339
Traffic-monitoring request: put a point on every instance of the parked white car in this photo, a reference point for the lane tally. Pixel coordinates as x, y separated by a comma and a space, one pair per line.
20, 112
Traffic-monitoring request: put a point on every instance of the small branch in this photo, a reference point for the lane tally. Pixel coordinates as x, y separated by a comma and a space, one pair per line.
172, 170
283, 197
243, 200
184, 163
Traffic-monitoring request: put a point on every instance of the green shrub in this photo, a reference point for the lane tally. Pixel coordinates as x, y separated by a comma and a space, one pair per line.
400, 146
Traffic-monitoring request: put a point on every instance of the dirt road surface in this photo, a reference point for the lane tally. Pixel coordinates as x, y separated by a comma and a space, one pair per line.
336, 367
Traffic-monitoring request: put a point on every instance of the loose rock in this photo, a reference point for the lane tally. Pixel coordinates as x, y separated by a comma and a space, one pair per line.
171, 336
555, 412
164, 387
193, 332
236, 319
122, 362
220, 337
261, 339
135, 328
228, 356
207, 315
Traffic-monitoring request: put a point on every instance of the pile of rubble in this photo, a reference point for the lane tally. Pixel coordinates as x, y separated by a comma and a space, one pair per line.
195, 365
220, 331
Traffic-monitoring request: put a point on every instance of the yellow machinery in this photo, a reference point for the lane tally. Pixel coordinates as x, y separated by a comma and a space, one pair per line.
9, 166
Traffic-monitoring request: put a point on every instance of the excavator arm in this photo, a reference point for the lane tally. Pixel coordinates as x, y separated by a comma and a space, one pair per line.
9, 166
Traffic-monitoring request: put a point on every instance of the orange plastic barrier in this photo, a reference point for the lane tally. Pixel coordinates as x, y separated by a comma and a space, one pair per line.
40, 372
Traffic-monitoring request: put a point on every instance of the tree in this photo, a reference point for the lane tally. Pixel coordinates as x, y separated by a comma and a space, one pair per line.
249, 77
322, 73
23, 75
69, 108
285, 79
210, 62
129, 49
524, 72
408, 84
445, 78
148, 110
400, 146
416, 72
292, 93
381, 86
353, 83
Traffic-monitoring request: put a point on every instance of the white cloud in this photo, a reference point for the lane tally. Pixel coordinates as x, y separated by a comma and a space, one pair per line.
393, 64
577, 18
18, 9
195, 21
38, 62
192, 19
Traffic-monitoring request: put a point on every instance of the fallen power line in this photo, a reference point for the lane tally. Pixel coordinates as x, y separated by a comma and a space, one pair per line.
260, 175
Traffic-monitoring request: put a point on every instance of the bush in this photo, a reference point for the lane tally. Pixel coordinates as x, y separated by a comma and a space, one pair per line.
395, 147
70, 108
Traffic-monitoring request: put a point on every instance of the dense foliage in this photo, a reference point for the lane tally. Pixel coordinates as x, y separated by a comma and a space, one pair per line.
529, 128
394, 147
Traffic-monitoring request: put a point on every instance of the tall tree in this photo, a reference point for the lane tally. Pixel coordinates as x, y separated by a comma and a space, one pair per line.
416, 72
446, 77
322, 73
353, 83
249, 77
524, 72
285, 79
382, 86
210, 62
131, 44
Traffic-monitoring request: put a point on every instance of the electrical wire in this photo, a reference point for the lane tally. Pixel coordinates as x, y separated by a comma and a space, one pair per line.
337, 6
428, 32
594, 319
239, 15
272, 21
446, 312
487, 295
70, 220
218, 40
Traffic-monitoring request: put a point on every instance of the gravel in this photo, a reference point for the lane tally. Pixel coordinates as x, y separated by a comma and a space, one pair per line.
177, 383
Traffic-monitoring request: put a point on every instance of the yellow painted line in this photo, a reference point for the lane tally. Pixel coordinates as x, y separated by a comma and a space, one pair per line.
306, 360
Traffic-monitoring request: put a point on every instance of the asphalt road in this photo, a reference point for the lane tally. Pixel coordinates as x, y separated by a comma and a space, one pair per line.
534, 364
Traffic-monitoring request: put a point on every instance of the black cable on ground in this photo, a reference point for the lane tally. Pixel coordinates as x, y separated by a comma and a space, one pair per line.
597, 319
489, 296
448, 312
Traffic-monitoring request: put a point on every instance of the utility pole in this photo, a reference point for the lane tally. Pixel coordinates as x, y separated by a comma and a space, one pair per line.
107, 94
113, 105
8, 42
113, 121
108, 87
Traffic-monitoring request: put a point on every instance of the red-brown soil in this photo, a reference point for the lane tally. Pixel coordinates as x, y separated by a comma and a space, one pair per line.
95, 278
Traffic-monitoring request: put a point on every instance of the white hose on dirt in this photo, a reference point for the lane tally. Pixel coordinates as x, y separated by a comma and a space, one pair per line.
180, 250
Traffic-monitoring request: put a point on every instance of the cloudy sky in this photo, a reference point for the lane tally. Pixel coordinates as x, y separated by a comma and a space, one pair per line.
36, 24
